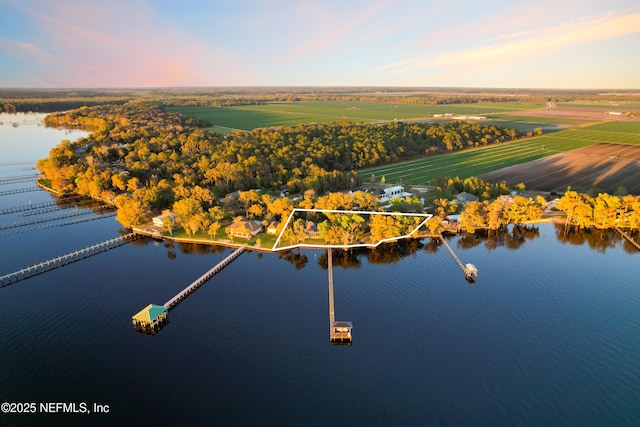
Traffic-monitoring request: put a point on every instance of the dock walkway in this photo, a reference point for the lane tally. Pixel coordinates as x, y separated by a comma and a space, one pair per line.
173, 302
629, 238
53, 217
63, 260
29, 207
469, 270
19, 190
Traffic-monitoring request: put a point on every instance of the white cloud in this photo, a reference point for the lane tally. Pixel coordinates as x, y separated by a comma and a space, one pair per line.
531, 44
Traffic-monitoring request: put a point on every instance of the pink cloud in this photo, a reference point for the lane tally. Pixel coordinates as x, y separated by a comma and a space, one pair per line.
117, 43
24, 50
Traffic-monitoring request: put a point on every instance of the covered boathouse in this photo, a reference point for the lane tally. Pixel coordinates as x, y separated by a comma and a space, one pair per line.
341, 332
150, 319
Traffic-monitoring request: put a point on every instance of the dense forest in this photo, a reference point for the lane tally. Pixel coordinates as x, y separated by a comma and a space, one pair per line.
139, 146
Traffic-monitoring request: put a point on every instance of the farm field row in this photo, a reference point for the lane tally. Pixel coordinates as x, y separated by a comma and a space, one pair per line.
613, 106
476, 162
293, 113
534, 121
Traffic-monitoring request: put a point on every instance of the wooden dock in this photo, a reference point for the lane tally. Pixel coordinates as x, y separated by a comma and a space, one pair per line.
173, 302
340, 331
19, 178
469, 270
26, 162
33, 206
54, 217
629, 238
58, 224
19, 190
63, 260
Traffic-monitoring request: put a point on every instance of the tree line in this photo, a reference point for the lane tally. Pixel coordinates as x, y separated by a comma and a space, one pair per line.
582, 211
26, 100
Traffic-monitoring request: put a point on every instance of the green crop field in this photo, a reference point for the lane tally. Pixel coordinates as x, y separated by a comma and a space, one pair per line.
478, 161
621, 127
536, 120
294, 113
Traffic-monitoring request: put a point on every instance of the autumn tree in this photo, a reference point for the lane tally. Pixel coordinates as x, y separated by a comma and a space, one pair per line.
382, 227
605, 210
186, 211
213, 229
132, 211
168, 223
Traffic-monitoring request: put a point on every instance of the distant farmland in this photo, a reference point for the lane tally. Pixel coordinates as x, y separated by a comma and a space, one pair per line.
481, 161
564, 128
295, 113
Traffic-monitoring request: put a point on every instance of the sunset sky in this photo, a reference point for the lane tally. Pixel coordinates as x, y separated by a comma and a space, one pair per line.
460, 43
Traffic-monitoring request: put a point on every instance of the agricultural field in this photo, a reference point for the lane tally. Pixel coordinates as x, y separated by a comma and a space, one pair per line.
604, 166
484, 160
566, 127
567, 113
294, 113
607, 106
547, 124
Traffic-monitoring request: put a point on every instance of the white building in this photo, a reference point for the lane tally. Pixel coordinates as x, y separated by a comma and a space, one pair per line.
393, 193
158, 220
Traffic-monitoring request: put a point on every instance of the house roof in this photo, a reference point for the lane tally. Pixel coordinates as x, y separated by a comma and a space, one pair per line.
149, 313
273, 224
393, 189
342, 324
468, 197
251, 226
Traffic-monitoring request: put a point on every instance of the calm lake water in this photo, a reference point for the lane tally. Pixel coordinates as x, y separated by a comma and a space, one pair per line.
549, 334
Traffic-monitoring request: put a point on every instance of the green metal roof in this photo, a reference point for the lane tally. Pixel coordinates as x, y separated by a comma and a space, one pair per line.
150, 312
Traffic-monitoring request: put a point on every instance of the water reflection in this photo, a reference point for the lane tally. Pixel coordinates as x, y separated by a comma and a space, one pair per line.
297, 258
511, 238
597, 239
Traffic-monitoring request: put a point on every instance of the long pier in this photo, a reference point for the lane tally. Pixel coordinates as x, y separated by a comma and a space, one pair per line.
49, 218
63, 260
21, 230
469, 270
16, 179
25, 162
29, 207
173, 302
19, 190
629, 238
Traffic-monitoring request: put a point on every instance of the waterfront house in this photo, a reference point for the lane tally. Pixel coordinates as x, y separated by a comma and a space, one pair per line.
311, 229
158, 221
243, 229
272, 228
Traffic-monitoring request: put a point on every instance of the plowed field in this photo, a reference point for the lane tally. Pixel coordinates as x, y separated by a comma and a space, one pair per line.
604, 166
